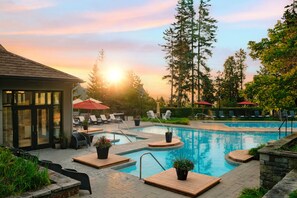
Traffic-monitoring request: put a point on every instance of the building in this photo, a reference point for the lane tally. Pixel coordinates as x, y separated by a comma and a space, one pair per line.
35, 102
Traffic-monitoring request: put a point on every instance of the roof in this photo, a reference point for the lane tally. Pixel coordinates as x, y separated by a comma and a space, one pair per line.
15, 66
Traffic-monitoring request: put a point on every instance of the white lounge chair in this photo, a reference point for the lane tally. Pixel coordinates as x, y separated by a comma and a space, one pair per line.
104, 119
94, 119
167, 115
75, 122
114, 119
150, 114
81, 119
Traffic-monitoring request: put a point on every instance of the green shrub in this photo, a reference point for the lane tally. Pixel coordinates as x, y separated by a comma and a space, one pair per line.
293, 194
254, 151
253, 193
18, 175
183, 121
183, 164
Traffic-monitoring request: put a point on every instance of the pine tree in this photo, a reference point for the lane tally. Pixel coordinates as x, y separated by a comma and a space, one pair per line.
205, 38
240, 57
96, 87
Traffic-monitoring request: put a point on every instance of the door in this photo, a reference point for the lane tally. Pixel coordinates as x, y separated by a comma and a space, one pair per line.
33, 128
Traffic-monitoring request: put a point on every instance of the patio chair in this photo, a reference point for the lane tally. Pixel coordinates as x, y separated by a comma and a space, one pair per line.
291, 114
114, 119
75, 122
81, 119
221, 114
150, 114
257, 114
50, 165
77, 140
167, 115
82, 177
231, 114
104, 119
93, 119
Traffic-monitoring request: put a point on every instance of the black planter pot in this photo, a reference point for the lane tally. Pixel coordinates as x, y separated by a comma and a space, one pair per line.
168, 137
137, 122
102, 153
85, 127
181, 174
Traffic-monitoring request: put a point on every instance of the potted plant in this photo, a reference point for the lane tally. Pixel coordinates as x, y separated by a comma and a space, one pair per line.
182, 167
137, 120
102, 146
168, 135
85, 124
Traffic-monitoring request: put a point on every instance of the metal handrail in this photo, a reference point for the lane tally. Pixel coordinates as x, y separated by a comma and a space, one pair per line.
279, 128
125, 135
140, 171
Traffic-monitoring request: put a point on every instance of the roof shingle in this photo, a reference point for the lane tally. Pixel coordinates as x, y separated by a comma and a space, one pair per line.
13, 66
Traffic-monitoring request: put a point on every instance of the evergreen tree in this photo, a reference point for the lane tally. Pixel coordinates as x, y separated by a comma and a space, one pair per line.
240, 57
206, 32
96, 87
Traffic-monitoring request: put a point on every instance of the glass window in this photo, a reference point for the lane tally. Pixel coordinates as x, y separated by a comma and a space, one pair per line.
7, 127
23, 97
57, 96
40, 98
7, 98
49, 98
57, 121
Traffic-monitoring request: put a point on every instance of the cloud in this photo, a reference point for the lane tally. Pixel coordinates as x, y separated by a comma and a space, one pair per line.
150, 15
262, 11
24, 5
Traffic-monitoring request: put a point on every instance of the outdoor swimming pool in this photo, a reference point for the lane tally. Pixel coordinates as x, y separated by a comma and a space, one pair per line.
259, 124
119, 138
207, 149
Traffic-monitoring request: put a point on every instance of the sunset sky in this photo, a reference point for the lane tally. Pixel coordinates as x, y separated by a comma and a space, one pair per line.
67, 34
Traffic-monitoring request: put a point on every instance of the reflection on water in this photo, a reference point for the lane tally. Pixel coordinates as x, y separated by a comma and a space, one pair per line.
207, 149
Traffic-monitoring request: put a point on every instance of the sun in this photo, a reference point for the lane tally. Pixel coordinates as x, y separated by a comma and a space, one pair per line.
114, 75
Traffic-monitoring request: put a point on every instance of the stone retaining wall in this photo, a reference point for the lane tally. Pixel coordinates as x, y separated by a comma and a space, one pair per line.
275, 163
61, 187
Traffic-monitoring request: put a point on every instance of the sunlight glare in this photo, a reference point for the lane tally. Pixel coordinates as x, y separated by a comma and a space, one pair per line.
114, 75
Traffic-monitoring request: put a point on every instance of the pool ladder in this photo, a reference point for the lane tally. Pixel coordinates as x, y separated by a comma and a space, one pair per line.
140, 171
285, 121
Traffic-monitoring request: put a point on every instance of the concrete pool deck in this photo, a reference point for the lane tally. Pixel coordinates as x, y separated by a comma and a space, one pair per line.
109, 183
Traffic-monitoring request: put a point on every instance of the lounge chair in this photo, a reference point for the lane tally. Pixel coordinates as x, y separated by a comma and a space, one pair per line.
77, 140
75, 122
291, 114
257, 114
231, 114
150, 114
81, 119
221, 114
167, 115
114, 119
82, 177
104, 119
93, 119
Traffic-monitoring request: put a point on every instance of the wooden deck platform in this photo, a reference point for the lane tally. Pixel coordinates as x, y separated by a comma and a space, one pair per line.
90, 131
92, 160
194, 185
240, 156
174, 142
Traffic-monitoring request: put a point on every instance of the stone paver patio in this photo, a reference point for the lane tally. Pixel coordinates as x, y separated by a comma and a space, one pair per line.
109, 183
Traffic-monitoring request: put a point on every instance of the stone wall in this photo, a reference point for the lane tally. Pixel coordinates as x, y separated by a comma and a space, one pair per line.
275, 163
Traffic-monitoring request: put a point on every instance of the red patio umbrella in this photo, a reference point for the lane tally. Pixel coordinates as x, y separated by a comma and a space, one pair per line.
203, 103
246, 103
90, 105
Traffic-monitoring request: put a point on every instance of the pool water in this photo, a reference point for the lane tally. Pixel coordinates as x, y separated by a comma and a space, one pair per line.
120, 139
207, 149
260, 124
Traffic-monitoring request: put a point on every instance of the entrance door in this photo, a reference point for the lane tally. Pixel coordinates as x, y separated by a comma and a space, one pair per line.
33, 128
